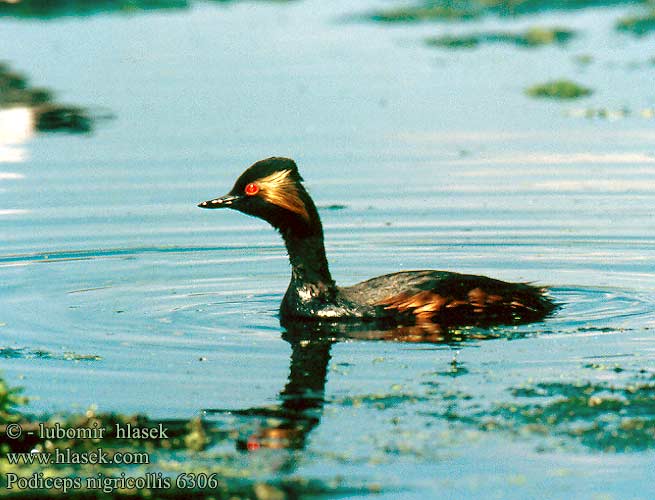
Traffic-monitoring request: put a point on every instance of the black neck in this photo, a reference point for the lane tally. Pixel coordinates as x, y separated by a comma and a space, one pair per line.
307, 257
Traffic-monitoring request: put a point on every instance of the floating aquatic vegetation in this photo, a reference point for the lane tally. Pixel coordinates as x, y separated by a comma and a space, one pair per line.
559, 89
583, 59
14, 89
598, 415
611, 114
47, 9
380, 401
11, 399
56, 117
58, 8
424, 13
458, 10
615, 367
48, 115
637, 25
22, 352
533, 37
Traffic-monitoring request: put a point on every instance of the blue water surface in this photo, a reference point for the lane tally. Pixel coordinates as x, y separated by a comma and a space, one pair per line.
119, 294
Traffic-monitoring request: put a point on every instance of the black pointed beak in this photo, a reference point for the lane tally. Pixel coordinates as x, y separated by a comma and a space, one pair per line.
222, 202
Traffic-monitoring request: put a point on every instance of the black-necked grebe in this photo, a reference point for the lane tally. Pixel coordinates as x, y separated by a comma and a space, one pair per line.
272, 190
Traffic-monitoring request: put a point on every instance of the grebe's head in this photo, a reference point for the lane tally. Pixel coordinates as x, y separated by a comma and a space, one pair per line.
272, 190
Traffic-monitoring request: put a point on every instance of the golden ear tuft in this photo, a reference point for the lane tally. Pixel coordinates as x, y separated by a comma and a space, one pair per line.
280, 189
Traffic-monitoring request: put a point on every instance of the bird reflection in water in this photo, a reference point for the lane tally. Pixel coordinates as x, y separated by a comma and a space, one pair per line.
288, 424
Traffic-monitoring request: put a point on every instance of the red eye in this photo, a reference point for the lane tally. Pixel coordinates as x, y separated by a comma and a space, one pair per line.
252, 189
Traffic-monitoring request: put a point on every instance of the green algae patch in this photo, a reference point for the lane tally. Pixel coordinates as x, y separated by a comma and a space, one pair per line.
533, 37
11, 399
52, 9
424, 13
57, 117
58, 8
583, 59
14, 89
25, 353
558, 89
612, 114
462, 10
544, 36
380, 401
49, 116
599, 416
596, 416
334, 206
637, 25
